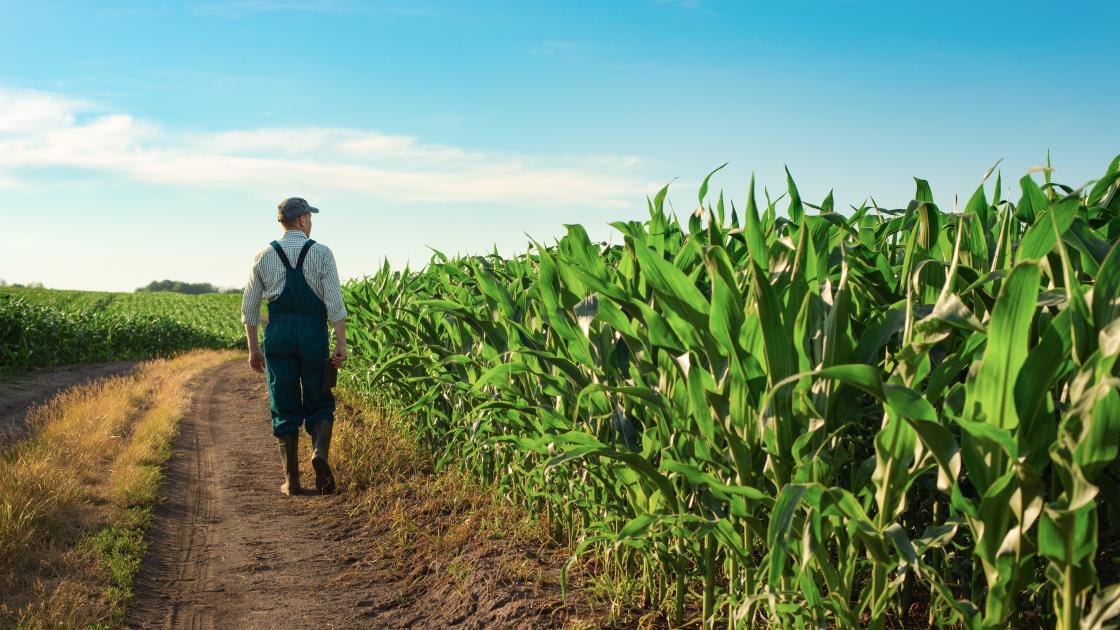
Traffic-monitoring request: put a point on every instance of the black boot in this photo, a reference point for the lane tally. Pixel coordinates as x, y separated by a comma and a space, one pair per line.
321, 445
289, 455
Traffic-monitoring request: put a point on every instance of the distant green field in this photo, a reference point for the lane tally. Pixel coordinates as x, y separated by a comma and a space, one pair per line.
48, 327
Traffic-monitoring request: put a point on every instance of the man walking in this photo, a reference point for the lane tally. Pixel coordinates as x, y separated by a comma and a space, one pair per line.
299, 279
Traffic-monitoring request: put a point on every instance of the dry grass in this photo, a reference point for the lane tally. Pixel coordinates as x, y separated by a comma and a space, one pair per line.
443, 513
76, 496
447, 531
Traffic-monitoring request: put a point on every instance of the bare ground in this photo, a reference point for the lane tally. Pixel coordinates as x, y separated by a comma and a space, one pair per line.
20, 393
227, 550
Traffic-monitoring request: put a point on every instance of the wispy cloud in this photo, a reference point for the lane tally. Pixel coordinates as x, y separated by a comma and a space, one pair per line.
40, 130
23, 110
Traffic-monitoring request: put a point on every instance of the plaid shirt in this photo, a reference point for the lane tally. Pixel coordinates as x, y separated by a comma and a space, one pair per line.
266, 279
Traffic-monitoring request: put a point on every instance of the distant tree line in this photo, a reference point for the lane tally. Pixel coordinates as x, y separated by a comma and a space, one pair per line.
190, 288
17, 285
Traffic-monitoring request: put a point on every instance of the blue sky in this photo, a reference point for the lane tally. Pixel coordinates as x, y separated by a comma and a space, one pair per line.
150, 140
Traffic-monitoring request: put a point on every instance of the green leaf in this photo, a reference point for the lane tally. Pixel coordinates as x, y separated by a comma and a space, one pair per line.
1041, 237
726, 317
637, 526
796, 209
1106, 182
752, 231
781, 524
922, 191
777, 344
704, 185
1033, 201
1106, 290
992, 392
698, 478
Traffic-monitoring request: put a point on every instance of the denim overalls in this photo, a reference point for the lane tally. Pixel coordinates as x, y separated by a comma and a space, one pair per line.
295, 350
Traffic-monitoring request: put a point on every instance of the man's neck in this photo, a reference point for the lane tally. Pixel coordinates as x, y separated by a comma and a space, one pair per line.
294, 234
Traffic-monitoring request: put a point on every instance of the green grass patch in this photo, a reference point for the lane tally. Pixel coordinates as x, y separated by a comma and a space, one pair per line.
118, 551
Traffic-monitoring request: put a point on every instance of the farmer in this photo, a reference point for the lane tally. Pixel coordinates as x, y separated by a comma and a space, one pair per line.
299, 279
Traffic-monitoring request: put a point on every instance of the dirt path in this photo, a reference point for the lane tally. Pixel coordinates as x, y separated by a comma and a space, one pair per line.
21, 392
227, 549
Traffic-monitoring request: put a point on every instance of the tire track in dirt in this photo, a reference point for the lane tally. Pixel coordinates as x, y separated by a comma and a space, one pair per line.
227, 550
194, 536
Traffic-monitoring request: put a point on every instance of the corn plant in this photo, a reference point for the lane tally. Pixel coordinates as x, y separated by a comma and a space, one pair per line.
786, 414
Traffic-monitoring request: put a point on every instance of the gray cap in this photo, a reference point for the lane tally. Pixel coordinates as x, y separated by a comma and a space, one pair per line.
293, 207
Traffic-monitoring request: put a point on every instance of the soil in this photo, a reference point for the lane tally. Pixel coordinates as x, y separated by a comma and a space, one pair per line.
227, 550
18, 394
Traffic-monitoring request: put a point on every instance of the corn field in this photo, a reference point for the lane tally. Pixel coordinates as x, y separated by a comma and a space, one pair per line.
782, 414
47, 327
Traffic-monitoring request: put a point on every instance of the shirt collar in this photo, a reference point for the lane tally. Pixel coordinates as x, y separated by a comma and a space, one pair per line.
293, 235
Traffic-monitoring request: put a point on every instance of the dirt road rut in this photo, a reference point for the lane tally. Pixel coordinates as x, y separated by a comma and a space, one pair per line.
227, 550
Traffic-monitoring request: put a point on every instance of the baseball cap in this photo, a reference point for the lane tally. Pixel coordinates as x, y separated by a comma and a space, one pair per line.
293, 207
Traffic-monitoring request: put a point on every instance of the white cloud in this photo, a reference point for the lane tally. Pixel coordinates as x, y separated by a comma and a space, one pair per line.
40, 130
26, 109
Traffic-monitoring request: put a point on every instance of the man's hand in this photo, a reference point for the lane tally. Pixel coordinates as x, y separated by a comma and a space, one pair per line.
256, 361
340, 355
256, 357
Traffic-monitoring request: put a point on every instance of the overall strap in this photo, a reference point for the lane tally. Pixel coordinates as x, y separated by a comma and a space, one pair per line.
283, 257
303, 253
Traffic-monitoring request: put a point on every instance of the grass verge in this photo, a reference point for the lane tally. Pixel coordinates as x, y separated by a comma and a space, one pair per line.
459, 545
77, 495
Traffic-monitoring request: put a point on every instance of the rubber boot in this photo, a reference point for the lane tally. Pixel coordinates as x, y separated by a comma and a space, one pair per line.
289, 455
321, 446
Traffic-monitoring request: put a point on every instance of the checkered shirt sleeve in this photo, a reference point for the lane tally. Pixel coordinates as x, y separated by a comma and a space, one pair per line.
266, 278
